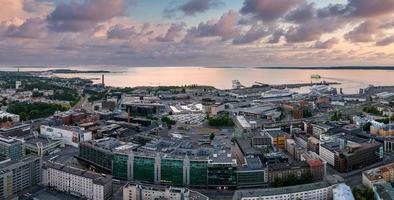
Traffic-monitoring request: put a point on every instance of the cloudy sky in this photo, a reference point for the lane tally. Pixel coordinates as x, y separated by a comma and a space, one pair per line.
196, 32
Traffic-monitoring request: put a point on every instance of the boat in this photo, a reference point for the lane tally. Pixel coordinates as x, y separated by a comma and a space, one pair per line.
275, 93
316, 76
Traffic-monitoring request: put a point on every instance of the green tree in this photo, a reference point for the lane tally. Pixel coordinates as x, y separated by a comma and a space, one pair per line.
367, 127
278, 182
336, 117
220, 121
212, 136
291, 180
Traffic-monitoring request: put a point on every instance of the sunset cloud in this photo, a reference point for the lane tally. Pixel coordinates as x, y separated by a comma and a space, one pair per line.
198, 32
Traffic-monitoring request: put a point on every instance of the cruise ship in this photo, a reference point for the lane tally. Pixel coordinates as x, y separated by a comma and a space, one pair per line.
275, 93
323, 89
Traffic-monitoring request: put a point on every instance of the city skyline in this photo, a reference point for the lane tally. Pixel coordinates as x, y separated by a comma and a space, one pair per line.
196, 32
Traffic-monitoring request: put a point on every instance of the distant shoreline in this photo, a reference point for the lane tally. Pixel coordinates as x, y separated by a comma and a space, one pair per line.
70, 71
321, 68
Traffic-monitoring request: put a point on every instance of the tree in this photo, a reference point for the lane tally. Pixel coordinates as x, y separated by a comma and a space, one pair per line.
278, 182
363, 194
212, 136
220, 121
336, 117
306, 178
307, 113
367, 127
291, 180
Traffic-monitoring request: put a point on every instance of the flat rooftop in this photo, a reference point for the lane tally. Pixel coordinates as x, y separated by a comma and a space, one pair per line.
384, 190
239, 194
97, 178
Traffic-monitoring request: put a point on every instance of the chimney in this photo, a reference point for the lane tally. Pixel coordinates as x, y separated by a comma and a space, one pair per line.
128, 115
102, 80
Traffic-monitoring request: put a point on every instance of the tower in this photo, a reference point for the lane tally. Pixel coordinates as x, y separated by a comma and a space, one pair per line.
102, 80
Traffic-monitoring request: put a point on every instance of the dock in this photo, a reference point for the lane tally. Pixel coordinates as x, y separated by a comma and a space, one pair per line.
299, 85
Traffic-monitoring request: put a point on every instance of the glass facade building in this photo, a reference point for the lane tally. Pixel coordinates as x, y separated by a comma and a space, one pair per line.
222, 175
171, 172
198, 172
119, 166
251, 178
144, 169
96, 156
11, 149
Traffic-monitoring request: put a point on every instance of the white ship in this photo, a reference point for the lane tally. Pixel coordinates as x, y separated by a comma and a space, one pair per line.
322, 89
237, 84
275, 93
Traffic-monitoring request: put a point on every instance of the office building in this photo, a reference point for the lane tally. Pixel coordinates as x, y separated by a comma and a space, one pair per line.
41, 146
11, 148
357, 156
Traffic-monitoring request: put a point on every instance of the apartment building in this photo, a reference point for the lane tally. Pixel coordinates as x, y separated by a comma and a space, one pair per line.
17, 175
77, 182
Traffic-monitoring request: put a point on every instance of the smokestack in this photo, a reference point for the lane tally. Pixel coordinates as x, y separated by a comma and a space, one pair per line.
102, 80
128, 115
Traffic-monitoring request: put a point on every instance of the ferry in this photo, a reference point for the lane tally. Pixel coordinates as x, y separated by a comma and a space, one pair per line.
275, 93
315, 76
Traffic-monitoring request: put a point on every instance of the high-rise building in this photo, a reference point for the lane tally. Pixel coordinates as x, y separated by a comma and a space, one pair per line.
17, 175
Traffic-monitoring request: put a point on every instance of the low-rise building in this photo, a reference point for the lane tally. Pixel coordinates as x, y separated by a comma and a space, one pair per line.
152, 192
383, 191
313, 144
132, 191
327, 152
41, 146
284, 170
381, 129
71, 135
314, 191
383, 173
357, 156
13, 117
277, 136
342, 192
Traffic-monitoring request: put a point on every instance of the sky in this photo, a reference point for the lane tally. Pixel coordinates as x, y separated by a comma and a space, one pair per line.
221, 33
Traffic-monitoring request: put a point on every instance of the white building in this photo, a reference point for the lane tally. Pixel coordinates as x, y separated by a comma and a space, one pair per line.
71, 135
153, 192
77, 182
327, 153
314, 191
13, 117
342, 192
